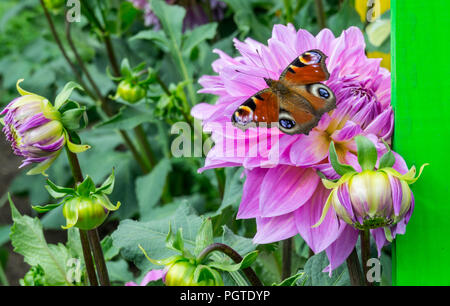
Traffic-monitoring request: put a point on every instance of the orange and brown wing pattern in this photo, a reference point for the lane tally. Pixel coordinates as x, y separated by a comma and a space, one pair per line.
262, 107
308, 68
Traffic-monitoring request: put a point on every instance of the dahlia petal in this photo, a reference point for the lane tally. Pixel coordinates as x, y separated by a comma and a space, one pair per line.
151, 276
380, 238
382, 125
249, 207
339, 250
286, 188
284, 225
310, 149
203, 110
400, 164
317, 238
349, 131
305, 41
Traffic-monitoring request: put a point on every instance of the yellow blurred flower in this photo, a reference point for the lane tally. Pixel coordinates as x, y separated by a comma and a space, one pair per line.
386, 58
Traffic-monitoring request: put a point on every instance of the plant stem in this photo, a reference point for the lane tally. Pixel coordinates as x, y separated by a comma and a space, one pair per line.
63, 51
365, 253
288, 11
320, 13
78, 178
145, 145
354, 269
287, 258
87, 254
91, 234
98, 257
249, 273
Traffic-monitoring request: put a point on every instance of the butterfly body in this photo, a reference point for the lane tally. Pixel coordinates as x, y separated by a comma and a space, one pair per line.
295, 102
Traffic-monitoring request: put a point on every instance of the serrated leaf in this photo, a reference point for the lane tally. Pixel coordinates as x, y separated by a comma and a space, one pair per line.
152, 235
315, 277
28, 239
196, 36
109, 250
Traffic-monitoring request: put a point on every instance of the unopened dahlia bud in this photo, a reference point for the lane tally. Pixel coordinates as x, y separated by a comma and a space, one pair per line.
32, 126
372, 199
35, 128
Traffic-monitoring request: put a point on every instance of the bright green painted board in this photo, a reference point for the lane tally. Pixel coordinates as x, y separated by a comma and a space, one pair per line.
421, 99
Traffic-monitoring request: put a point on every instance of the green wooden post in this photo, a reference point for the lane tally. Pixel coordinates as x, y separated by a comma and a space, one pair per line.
421, 99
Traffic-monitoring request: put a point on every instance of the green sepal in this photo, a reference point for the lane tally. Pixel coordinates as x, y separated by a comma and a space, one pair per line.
49, 111
125, 69
75, 148
23, 92
367, 153
340, 169
57, 191
106, 203
245, 263
65, 93
203, 272
161, 262
388, 158
204, 236
325, 210
46, 208
71, 214
114, 78
108, 185
71, 119
41, 167
86, 187
388, 234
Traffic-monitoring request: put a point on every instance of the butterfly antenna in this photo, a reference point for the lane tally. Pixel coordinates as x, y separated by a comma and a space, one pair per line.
262, 62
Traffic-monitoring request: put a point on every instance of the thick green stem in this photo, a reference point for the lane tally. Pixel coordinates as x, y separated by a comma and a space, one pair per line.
88, 258
354, 269
78, 178
102, 271
225, 249
287, 258
365, 253
145, 145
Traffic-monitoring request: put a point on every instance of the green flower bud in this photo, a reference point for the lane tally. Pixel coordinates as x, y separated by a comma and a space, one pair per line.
182, 273
87, 213
54, 4
130, 92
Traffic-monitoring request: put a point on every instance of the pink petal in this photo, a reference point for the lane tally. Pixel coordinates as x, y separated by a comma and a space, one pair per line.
349, 131
318, 238
249, 207
152, 275
275, 229
311, 149
339, 250
286, 188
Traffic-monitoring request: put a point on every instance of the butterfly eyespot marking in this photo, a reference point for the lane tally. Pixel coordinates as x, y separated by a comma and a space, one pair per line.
311, 57
243, 115
323, 93
287, 123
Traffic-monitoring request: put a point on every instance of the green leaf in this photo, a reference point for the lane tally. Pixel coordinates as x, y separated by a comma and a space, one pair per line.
233, 188
292, 280
65, 93
119, 271
315, 277
158, 37
109, 250
198, 35
344, 18
341, 169
245, 263
149, 188
152, 235
171, 18
4, 233
28, 239
367, 153
128, 117
204, 236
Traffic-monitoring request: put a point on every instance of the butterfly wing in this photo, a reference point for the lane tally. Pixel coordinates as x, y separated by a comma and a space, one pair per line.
308, 68
263, 107
306, 100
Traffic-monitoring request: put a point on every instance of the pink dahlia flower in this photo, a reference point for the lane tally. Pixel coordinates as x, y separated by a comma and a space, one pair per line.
283, 190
